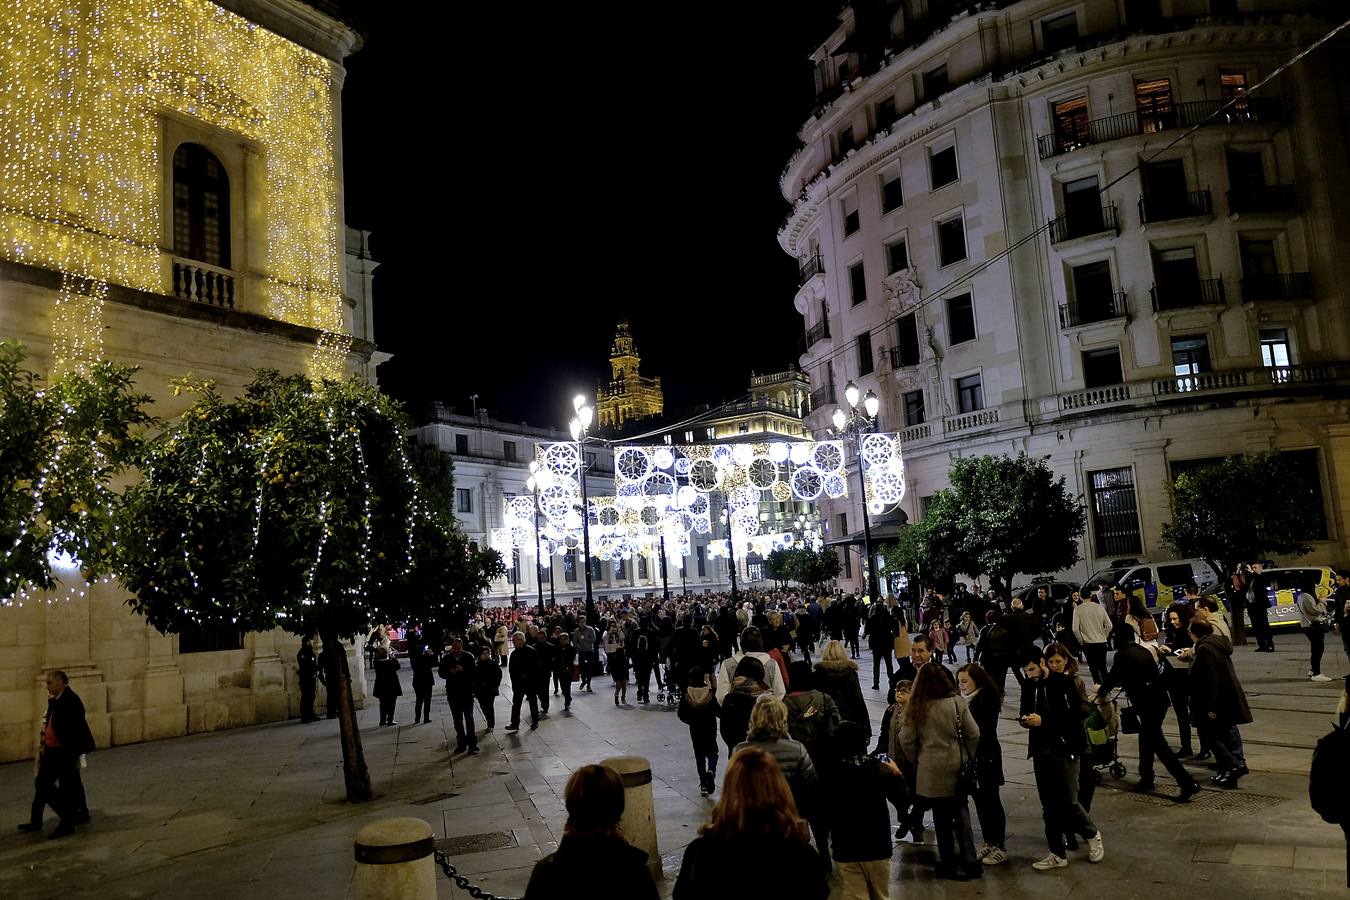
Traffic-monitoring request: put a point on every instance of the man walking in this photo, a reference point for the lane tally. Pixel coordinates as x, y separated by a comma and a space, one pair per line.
65, 737
1092, 627
457, 669
1258, 605
583, 639
1218, 703
881, 634
308, 669
1136, 671
523, 665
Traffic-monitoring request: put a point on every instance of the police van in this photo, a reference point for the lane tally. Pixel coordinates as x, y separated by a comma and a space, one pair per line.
1157, 584
1283, 587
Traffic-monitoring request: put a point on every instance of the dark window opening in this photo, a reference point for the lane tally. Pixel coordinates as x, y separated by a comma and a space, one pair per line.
897, 257
892, 197
210, 638
969, 393
1101, 368
960, 319
865, 364
936, 82
846, 141
886, 112
701, 555
951, 236
942, 169
201, 207
1059, 32
913, 408
1115, 518
857, 283
1083, 206
462, 444
907, 341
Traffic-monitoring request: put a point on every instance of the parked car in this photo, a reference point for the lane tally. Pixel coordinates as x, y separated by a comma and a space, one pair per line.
1285, 585
1158, 583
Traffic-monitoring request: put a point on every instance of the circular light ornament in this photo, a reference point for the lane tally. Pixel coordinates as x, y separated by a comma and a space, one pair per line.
762, 473
659, 485
633, 463
745, 496
896, 466
705, 475
562, 459
742, 454
887, 488
835, 486
685, 496
876, 507
650, 516
781, 491
877, 448
663, 458
828, 456
571, 542
778, 452
800, 453
682, 465
521, 507
699, 505
807, 483
721, 455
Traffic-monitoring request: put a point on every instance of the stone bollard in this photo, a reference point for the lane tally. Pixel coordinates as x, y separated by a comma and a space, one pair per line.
639, 808
394, 861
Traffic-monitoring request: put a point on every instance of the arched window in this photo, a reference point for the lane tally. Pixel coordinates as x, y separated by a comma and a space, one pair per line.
201, 206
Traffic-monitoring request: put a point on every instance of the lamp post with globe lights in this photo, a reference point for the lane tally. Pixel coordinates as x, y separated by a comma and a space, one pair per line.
731, 553
579, 426
539, 478
853, 425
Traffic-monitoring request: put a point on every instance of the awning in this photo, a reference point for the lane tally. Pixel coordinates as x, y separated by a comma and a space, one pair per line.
885, 527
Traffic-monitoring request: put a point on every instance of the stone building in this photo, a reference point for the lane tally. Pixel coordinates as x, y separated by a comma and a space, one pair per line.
630, 394
193, 225
1041, 225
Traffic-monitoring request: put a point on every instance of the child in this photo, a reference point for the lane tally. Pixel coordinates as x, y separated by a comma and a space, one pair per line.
618, 670
699, 710
855, 809
969, 633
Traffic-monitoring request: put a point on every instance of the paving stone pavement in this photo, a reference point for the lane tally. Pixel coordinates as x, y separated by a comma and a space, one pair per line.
259, 812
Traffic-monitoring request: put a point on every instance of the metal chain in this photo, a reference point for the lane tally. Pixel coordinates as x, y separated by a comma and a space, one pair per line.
452, 873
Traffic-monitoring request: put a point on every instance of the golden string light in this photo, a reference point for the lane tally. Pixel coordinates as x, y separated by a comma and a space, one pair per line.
85, 86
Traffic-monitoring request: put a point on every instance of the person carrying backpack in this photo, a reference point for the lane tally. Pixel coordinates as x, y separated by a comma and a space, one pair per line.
642, 653
699, 710
1329, 778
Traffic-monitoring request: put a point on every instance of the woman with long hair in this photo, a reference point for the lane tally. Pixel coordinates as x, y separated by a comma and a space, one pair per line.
1060, 660
985, 700
592, 842
937, 735
837, 676
756, 844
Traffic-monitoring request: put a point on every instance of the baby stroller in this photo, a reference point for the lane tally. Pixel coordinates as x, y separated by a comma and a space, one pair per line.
1103, 731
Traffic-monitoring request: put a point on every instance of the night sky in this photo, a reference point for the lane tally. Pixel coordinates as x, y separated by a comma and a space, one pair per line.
531, 174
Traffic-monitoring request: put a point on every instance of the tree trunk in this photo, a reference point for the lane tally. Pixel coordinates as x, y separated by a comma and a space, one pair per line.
354, 770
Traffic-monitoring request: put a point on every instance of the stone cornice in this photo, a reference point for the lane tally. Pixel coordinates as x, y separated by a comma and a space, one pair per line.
301, 23
184, 309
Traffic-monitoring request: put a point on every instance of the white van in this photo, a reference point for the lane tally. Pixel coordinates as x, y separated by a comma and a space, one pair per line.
1157, 583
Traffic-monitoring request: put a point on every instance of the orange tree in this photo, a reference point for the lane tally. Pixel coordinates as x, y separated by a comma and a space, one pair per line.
297, 506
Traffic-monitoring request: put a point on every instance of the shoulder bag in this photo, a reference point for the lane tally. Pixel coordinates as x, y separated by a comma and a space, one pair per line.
968, 776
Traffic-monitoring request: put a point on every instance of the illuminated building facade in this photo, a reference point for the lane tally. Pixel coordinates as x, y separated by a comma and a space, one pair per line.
170, 197
630, 395
1041, 226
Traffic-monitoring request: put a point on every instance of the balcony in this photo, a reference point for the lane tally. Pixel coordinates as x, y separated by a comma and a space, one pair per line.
811, 266
1163, 207
1265, 198
1093, 309
1077, 225
1272, 379
898, 360
201, 283
822, 396
970, 421
1185, 294
1283, 286
921, 432
1253, 110
815, 334
1093, 398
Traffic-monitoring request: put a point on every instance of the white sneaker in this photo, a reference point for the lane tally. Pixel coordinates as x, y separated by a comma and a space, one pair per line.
1096, 850
983, 850
1320, 678
997, 856
1050, 862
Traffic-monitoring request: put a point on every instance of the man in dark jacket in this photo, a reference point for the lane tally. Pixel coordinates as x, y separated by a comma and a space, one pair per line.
1258, 604
457, 669
548, 661
1023, 629
523, 665
65, 737
1052, 712
1136, 671
881, 634
307, 665
1218, 703
642, 653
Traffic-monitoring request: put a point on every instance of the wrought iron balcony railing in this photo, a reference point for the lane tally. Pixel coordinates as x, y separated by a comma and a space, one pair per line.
1181, 294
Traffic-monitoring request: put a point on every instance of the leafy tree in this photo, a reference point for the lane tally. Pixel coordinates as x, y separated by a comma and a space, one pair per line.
815, 567
296, 505
62, 448
1239, 509
1002, 516
778, 565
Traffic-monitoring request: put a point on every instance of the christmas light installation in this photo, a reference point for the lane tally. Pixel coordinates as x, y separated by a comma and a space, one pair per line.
85, 86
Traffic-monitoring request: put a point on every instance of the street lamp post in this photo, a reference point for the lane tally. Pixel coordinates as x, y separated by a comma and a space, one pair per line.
854, 424
532, 485
665, 587
731, 553
579, 425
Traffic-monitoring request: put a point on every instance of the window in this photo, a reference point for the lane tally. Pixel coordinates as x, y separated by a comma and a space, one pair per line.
570, 566
1164, 189
865, 353
951, 240
1153, 101
701, 555
597, 569
1059, 32
1233, 83
1070, 120
906, 341
1258, 260
897, 256
1101, 368
849, 208
513, 573
942, 168
846, 141
620, 569
744, 428
1223, 7
710, 432
642, 567
1274, 347
960, 319
857, 283
210, 638
913, 408
1177, 266
1115, 520
1092, 293
841, 519
462, 444
885, 112
892, 197
464, 496
936, 82
1246, 171
688, 437
847, 561
1190, 356
1083, 206
509, 449
201, 206
969, 393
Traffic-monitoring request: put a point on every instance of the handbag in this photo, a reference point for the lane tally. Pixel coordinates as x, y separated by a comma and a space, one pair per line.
576, 672
968, 776
1129, 720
